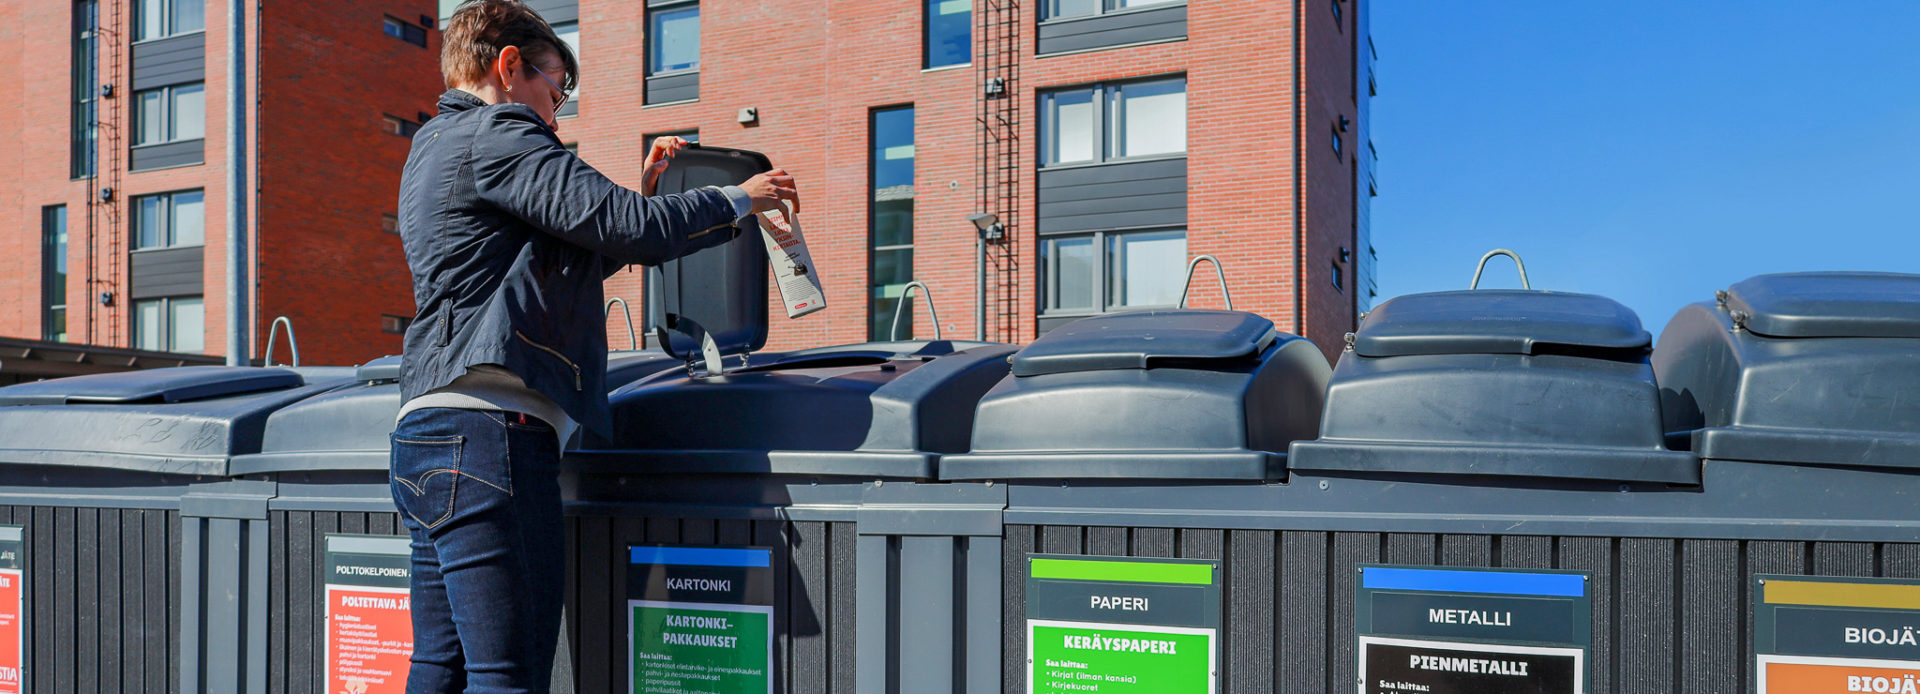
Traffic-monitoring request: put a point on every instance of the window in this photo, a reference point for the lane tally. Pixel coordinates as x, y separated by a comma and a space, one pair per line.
1339, 277
396, 125
170, 114
1063, 9
1336, 141
153, 19
688, 135
390, 224
569, 33
397, 325
405, 31
673, 38
1112, 271
890, 222
446, 10
169, 219
949, 33
1336, 12
53, 273
83, 132
173, 324
1114, 121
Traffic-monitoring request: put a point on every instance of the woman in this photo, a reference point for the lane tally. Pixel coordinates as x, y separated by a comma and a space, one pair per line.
509, 237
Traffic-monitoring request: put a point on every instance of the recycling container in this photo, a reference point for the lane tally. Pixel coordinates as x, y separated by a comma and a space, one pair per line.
335, 543
822, 464
138, 553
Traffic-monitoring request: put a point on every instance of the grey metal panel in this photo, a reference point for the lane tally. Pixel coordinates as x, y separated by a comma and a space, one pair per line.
1249, 599
874, 622
1900, 561
1301, 637
194, 576
112, 619
1711, 607
168, 155
1645, 657
1152, 542
46, 641
1526, 552
926, 585
982, 615
168, 272
842, 611
1113, 196
1349, 551
1107, 541
279, 651
1410, 548
170, 61
1843, 559
64, 610
774, 534
1013, 617
1466, 550
256, 624
1055, 539
1595, 555
86, 587
807, 610
557, 11
671, 88
1116, 29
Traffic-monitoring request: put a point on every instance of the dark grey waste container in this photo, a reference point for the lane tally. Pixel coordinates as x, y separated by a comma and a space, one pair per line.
826, 459
142, 557
1145, 436
324, 463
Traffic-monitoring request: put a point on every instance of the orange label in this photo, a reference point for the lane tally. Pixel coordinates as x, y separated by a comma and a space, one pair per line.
1800, 678
369, 638
11, 653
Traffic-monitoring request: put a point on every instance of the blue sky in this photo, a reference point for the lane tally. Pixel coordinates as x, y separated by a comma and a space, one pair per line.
1652, 152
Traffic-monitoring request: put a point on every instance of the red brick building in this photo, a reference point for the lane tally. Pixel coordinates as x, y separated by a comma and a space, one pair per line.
1112, 140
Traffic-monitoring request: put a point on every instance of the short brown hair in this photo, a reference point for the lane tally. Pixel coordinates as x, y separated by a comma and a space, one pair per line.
479, 29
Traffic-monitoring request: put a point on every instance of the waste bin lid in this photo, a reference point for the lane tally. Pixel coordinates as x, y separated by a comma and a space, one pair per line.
1144, 339
720, 291
383, 369
1489, 321
169, 385
1829, 304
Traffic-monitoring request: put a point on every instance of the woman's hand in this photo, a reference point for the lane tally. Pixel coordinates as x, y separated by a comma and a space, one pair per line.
662, 150
768, 189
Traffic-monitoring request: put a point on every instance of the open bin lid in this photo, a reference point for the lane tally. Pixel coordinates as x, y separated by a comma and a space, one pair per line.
1516, 384
866, 411
1814, 368
719, 292
1829, 304
1146, 339
182, 420
1489, 321
347, 428
1170, 395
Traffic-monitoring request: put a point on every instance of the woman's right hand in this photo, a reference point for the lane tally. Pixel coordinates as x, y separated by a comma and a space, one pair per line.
768, 189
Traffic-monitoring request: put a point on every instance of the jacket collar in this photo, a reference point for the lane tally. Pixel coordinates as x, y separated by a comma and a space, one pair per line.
454, 101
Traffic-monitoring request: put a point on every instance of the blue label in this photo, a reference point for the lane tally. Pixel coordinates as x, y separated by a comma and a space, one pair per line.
1485, 582
700, 556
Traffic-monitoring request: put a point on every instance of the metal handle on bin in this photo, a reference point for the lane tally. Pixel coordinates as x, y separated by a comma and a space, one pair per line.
274, 332
633, 341
1220, 271
1522, 267
931, 312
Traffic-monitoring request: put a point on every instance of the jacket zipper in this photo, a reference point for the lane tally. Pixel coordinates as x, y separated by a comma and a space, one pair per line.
556, 354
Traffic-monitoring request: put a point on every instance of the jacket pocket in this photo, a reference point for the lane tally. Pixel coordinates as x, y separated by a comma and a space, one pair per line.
426, 476
556, 354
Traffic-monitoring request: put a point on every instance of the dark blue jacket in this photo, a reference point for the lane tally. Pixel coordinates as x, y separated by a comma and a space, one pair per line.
509, 237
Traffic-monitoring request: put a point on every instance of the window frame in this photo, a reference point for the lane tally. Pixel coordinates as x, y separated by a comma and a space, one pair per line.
572, 107
1049, 12
168, 30
1109, 122
874, 154
169, 121
1102, 289
53, 256
169, 341
651, 40
407, 30
169, 234
926, 37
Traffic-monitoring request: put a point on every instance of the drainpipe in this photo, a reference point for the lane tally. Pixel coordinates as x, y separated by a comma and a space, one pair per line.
238, 338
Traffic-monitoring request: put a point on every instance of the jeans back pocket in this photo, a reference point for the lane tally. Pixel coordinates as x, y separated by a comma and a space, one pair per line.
426, 475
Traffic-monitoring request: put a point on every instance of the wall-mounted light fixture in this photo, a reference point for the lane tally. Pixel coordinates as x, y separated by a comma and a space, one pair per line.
748, 116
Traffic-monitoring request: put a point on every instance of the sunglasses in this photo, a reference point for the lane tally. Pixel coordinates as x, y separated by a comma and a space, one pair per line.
564, 94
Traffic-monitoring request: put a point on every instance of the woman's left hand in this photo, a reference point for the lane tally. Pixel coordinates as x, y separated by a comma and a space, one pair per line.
662, 150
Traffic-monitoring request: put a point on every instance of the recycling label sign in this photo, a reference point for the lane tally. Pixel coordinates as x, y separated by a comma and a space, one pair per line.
1122, 624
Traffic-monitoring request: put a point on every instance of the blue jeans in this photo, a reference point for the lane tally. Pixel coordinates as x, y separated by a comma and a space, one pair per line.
480, 494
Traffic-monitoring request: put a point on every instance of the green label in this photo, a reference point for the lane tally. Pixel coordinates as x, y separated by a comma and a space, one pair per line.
695, 648
1127, 571
1085, 657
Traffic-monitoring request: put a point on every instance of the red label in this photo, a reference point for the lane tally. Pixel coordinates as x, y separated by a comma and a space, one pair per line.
12, 651
369, 638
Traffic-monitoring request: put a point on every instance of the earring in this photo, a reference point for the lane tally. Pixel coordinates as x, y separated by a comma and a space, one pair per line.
509, 87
